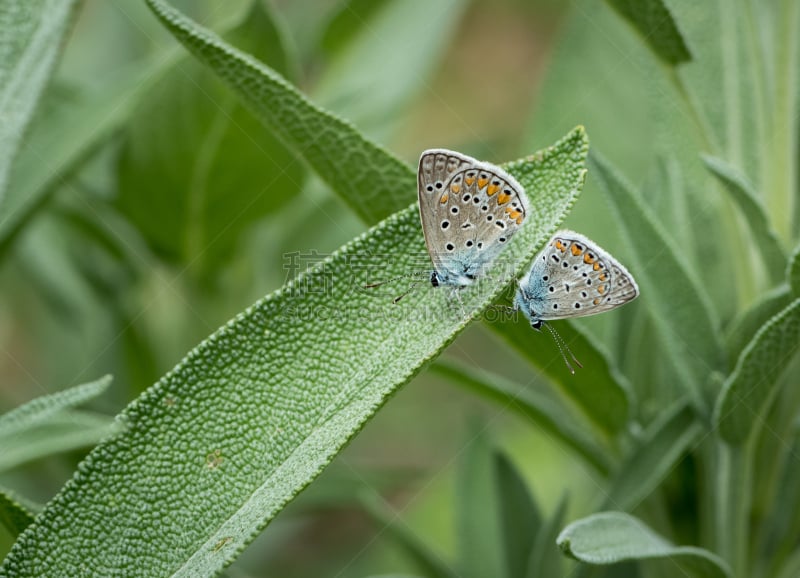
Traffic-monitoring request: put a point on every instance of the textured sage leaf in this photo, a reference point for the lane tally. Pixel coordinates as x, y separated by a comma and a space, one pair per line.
657, 27
61, 432
531, 404
664, 443
70, 125
373, 182
225, 169
677, 301
742, 193
752, 384
427, 562
32, 32
599, 390
15, 515
612, 537
745, 326
383, 62
41, 409
253, 414
545, 558
520, 519
479, 534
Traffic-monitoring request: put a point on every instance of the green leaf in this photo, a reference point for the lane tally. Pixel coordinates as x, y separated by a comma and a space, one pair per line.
199, 167
427, 562
663, 444
42, 409
62, 432
752, 384
32, 33
478, 525
15, 515
657, 27
612, 537
745, 197
520, 519
752, 319
599, 390
255, 412
546, 558
369, 179
377, 74
351, 18
677, 301
531, 404
793, 273
70, 126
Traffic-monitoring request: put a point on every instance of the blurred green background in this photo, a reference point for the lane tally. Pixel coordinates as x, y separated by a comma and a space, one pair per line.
122, 271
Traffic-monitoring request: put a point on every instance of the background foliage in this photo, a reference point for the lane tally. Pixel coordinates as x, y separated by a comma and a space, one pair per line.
148, 195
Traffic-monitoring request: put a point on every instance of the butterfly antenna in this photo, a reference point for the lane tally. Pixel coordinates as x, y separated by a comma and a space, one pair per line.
563, 348
409, 290
385, 281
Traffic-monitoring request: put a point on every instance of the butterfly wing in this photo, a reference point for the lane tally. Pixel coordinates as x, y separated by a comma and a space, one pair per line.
574, 277
469, 211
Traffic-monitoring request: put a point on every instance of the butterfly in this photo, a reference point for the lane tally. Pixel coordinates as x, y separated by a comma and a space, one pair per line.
572, 277
469, 211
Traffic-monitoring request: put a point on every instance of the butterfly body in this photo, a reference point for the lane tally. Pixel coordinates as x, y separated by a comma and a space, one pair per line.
469, 211
573, 277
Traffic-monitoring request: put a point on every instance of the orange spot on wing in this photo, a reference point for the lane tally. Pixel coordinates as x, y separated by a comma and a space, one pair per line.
575, 249
455, 188
588, 259
443, 200
482, 183
596, 267
512, 214
469, 181
602, 277
601, 289
520, 219
559, 245
492, 189
503, 198
596, 301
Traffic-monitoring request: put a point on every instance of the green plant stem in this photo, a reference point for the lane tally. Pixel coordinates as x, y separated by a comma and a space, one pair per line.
758, 81
733, 497
781, 174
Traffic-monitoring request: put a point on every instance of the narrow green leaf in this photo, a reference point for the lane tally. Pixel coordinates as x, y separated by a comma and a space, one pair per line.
369, 179
745, 326
793, 272
546, 559
62, 432
253, 414
745, 197
663, 444
380, 71
226, 170
545, 411
478, 526
677, 301
351, 18
41, 409
520, 519
15, 515
657, 27
612, 537
32, 32
752, 384
599, 390
427, 562
70, 126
